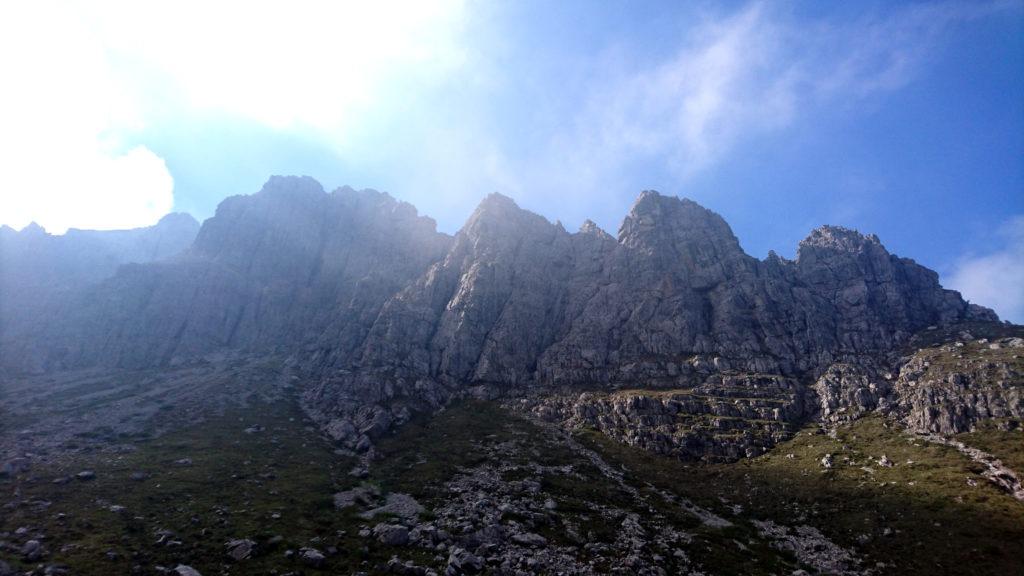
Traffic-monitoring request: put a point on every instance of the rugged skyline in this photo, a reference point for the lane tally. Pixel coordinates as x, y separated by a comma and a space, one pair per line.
902, 118
516, 398
340, 263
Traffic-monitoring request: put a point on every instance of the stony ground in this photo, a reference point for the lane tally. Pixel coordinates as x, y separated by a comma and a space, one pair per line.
255, 489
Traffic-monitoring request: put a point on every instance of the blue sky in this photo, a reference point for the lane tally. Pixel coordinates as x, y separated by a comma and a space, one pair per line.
901, 119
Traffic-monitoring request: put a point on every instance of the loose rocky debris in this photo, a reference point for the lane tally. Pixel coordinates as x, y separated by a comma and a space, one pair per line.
995, 471
812, 548
497, 517
364, 496
398, 505
86, 410
725, 418
369, 496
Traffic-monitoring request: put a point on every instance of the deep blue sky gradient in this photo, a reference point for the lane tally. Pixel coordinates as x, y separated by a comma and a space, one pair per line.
933, 165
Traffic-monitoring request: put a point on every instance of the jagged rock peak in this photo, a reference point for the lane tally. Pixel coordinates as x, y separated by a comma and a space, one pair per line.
498, 212
839, 239
775, 258
364, 194
292, 186
34, 229
591, 227
375, 200
497, 202
178, 219
656, 218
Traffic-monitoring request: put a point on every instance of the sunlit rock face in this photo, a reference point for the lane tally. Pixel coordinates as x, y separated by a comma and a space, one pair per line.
672, 303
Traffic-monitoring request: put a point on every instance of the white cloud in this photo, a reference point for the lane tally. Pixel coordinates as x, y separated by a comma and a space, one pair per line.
81, 76
60, 108
303, 64
996, 279
749, 73
379, 81
734, 77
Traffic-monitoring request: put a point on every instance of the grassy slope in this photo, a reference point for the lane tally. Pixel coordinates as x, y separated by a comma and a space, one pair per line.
936, 522
237, 482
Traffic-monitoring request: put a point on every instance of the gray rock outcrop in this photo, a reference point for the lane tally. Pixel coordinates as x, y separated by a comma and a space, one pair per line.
518, 302
949, 389
289, 269
39, 271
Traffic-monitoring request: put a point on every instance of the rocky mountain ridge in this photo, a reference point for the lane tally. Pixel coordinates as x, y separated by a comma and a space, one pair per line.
268, 272
40, 271
385, 317
513, 399
672, 303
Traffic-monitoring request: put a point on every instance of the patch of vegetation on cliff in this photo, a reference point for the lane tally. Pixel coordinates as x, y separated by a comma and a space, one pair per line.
929, 512
1003, 438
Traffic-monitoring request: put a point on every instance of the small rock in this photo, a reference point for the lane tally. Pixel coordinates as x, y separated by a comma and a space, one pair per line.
826, 461
86, 475
530, 539
391, 534
311, 557
183, 570
366, 495
461, 561
242, 549
32, 550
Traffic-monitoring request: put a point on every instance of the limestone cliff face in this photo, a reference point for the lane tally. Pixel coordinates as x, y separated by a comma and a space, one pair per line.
385, 317
38, 270
287, 269
670, 303
949, 389
728, 416
518, 299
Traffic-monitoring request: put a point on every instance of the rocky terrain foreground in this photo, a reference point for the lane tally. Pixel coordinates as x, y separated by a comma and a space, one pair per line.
321, 383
